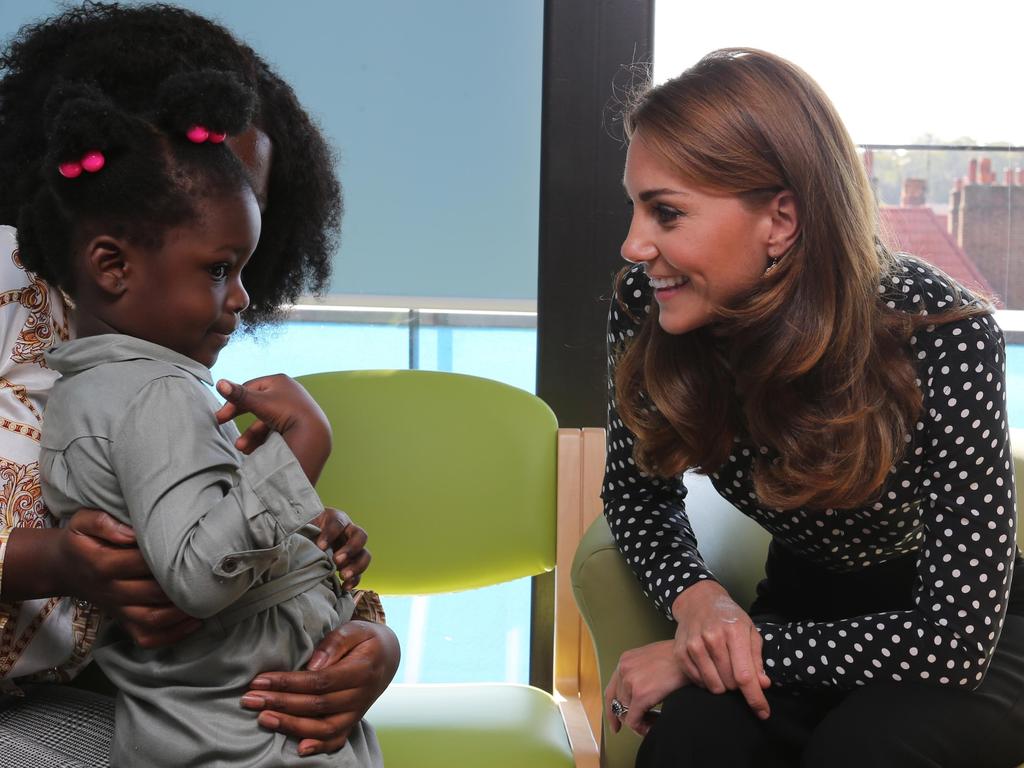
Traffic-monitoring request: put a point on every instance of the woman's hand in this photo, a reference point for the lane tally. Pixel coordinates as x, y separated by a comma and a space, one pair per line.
718, 646
94, 558
643, 678
280, 404
319, 706
348, 541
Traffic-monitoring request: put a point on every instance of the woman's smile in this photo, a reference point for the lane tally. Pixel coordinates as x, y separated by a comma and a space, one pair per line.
668, 286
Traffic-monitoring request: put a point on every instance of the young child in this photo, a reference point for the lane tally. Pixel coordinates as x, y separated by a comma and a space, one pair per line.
149, 222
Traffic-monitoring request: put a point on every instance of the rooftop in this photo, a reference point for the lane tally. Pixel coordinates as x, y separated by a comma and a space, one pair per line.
922, 232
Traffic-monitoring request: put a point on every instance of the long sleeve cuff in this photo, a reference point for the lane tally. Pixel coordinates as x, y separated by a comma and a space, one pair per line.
277, 480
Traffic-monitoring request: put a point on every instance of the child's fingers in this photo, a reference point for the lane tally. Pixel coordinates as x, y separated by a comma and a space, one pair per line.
230, 391
253, 437
226, 413
245, 398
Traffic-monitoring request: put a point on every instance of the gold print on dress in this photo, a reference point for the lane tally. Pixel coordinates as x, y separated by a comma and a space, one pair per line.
41, 330
21, 500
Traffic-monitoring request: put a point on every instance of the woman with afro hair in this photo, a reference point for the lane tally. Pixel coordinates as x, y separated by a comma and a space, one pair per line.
54, 582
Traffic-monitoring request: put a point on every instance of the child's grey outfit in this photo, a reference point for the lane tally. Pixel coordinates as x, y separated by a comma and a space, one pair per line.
130, 429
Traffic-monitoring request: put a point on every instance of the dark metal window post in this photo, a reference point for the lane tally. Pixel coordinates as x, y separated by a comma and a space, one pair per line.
588, 47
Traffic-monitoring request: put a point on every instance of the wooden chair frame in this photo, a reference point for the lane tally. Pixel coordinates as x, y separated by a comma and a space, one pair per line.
577, 684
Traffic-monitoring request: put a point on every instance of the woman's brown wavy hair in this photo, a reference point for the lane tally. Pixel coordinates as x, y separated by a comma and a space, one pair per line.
810, 363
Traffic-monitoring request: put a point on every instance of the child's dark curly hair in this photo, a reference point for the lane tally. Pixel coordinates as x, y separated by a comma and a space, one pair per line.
126, 53
134, 176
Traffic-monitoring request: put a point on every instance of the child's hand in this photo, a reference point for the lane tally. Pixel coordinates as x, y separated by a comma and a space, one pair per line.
348, 541
280, 404
255, 434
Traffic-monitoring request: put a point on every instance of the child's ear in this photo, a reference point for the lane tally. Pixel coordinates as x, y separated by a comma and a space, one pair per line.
106, 264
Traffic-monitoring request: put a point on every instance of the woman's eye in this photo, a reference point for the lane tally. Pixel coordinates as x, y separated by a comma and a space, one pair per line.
666, 215
219, 271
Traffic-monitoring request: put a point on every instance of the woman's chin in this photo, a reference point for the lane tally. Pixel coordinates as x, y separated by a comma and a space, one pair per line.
678, 323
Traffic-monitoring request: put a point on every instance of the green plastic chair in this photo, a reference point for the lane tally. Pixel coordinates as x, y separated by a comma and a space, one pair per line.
455, 479
618, 615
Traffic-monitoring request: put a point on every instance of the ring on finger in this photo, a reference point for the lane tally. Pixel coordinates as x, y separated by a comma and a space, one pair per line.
619, 709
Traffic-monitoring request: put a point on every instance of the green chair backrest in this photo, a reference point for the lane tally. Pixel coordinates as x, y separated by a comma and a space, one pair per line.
452, 476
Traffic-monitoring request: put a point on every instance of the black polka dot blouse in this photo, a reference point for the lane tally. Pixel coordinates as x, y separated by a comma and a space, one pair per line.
950, 500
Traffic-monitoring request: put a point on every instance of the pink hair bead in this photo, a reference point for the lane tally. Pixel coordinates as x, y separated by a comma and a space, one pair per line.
216, 137
197, 134
93, 161
70, 170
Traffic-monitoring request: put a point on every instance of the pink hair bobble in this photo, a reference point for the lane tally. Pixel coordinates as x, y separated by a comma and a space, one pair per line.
92, 161
198, 134
70, 170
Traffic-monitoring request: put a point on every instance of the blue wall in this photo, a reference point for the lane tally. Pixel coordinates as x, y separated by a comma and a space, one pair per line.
434, 107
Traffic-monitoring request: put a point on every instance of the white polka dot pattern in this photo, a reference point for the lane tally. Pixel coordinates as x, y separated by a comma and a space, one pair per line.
950, 500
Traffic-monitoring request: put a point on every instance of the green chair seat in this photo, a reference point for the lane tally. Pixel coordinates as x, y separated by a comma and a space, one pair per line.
470, 726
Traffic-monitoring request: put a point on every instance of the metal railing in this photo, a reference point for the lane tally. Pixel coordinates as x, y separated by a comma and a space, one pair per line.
412, 318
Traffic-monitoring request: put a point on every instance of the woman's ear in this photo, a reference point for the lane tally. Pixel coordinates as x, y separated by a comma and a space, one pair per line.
785, 222
106, 265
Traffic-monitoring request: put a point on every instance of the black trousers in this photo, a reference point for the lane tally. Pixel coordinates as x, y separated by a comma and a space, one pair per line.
881, 725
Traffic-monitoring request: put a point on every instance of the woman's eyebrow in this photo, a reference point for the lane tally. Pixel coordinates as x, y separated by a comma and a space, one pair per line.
650, 193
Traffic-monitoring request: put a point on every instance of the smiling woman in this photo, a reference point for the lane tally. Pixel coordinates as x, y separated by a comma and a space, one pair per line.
848, 399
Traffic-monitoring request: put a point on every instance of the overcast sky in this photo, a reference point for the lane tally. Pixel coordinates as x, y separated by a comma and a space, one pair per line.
895, 69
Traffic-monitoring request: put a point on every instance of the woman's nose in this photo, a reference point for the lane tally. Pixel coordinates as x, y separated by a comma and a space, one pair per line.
636, 248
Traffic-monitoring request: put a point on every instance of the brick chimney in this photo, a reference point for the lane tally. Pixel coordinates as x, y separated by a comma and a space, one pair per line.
915, 192
987, 221
985, 172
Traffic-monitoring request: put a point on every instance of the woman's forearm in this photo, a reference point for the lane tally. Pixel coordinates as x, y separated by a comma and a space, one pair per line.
33, 566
